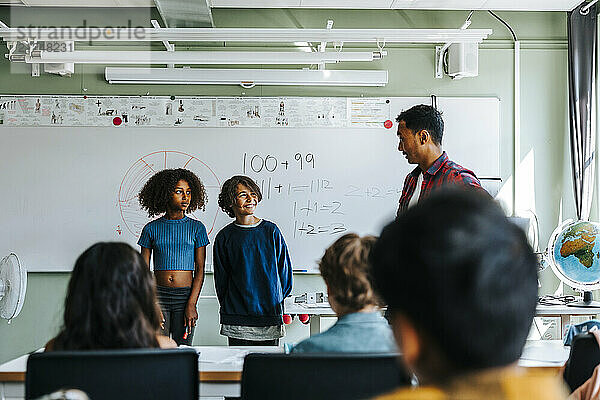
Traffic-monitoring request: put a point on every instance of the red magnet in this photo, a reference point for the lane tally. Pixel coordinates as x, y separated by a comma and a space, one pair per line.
287, 319
303, 318
117, 121
388, 124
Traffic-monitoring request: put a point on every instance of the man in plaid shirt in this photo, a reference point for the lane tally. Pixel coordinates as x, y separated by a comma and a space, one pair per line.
420, 131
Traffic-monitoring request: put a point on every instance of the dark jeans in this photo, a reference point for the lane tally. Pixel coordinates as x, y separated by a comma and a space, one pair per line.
172, 303
244, 342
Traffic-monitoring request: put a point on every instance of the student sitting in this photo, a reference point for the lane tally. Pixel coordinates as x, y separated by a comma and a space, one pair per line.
460, 282
590, 389
111, 303
360, 327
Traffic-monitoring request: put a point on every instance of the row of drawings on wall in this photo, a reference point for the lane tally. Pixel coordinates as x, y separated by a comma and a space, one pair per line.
169, 111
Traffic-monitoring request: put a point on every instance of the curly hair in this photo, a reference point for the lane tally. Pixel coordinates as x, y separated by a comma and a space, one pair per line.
346, 270
228, 192
111, 301
156, 194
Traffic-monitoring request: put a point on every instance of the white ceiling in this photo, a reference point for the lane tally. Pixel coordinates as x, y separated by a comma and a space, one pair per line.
521, 5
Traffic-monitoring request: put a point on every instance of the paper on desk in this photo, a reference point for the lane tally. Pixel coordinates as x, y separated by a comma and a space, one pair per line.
219, 355
223, 355
552, 356
184, 346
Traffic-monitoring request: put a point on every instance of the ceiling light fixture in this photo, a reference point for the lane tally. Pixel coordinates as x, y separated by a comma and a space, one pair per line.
196, 57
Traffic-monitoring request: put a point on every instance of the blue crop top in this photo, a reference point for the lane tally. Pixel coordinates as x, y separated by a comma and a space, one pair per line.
173, 242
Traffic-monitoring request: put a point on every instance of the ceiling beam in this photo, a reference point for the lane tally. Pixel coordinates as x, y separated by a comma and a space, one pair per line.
254, 35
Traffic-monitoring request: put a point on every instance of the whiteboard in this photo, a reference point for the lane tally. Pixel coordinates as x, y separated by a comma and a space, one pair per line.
65, 188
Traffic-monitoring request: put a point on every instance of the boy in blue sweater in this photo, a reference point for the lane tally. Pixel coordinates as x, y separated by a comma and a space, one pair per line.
252, 269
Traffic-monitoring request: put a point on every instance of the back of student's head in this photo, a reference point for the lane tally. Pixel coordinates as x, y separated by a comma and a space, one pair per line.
111, 301
346, 270
463, 276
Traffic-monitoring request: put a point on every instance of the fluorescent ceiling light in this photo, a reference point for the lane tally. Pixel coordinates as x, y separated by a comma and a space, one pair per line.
245, 77
196, 57
258, 35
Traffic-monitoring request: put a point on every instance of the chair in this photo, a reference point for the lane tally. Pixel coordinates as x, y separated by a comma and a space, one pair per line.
584, 357
115, 374
320, 376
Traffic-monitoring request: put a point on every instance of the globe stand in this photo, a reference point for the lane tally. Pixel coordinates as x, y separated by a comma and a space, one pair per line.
587, 301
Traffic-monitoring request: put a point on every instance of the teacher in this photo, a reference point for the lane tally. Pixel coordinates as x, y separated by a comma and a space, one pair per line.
420, 131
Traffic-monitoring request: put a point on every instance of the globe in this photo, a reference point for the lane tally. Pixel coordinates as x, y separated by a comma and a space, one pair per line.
574, 254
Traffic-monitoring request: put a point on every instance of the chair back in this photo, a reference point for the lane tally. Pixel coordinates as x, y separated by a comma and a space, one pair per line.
583, 358
115, 374
320, 376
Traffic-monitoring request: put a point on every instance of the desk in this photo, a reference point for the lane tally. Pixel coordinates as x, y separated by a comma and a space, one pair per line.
220, 367
219, 371
544, 354
318, 310
564, 312
314, 311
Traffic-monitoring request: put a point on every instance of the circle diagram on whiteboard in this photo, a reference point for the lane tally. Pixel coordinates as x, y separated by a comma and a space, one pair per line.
138, 174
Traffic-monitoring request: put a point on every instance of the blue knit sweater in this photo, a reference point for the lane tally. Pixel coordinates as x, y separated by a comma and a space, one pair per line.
253, 274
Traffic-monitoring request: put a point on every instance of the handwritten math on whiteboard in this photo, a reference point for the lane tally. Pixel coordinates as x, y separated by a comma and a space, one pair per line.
80, 173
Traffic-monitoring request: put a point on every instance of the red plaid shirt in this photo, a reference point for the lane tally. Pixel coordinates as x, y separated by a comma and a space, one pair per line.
442, 172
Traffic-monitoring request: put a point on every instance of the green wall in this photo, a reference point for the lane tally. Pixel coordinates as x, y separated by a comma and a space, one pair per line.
544, 144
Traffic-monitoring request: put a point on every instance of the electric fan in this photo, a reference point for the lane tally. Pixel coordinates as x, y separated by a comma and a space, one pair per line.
13, 283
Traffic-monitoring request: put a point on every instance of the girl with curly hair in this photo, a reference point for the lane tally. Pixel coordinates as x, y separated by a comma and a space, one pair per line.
110, 303
178, 246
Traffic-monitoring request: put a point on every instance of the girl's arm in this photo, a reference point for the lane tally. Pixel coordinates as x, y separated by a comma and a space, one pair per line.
165, 342
146, 252
191, 314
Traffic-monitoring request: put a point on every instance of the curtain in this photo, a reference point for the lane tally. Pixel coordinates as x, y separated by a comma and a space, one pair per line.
582, 69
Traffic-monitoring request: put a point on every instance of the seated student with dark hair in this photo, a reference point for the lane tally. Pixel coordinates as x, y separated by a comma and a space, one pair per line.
111, 303
360, 327
460, 282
